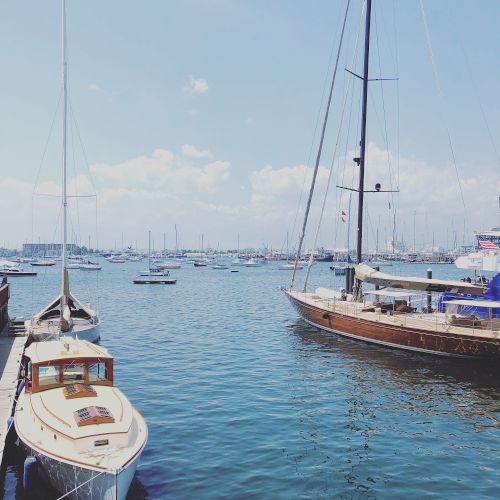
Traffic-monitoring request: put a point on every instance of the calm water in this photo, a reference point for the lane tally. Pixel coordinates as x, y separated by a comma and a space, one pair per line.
243, 400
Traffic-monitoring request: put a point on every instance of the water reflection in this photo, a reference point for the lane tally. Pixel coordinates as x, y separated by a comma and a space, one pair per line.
387, 405
404, 368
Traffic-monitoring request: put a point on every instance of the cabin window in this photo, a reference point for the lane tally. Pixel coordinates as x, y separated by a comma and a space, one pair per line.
73, 373
48, 375
98, 372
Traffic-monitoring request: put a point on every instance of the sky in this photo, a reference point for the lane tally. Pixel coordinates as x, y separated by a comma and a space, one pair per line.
206, 114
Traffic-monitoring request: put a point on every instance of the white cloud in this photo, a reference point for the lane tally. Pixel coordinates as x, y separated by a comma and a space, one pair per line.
193, 189
195, 86
163, 171
190, 151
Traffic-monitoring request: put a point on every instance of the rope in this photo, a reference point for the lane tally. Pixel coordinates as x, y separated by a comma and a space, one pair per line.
320, 148
83, 484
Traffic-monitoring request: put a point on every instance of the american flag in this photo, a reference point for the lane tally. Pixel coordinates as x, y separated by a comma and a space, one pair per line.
488, 245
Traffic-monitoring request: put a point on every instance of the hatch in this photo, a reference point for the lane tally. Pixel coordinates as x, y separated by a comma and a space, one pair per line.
91, 415
74, 391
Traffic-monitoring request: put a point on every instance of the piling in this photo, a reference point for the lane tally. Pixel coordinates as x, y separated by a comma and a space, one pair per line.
429, 294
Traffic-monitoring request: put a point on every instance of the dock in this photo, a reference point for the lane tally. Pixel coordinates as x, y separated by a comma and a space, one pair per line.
155, 281
12, 342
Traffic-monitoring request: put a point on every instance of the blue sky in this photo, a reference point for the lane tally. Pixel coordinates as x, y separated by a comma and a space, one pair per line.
242, 82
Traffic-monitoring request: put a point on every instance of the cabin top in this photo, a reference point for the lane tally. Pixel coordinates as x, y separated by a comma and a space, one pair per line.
64, 350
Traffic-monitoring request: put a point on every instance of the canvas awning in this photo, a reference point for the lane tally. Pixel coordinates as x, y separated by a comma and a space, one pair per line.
369, 275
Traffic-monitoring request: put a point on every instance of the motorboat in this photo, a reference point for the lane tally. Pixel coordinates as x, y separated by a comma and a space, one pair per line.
253, 263
168, 265
116, 260
43, 263
83, 433
154, 272
239, 262
10, 268
289, 266
90, 266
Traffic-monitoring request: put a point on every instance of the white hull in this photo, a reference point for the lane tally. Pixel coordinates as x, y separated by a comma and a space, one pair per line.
65, 477
92, 333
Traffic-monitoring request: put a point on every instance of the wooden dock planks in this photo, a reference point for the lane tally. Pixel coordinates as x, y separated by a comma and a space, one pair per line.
11, 351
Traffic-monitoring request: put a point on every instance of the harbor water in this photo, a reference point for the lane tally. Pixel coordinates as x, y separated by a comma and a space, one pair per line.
244, 400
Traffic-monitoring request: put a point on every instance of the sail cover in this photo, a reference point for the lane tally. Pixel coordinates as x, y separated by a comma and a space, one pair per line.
369, 275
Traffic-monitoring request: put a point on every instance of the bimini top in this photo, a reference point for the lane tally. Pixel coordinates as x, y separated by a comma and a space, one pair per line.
64, 348
489, 304
370, 275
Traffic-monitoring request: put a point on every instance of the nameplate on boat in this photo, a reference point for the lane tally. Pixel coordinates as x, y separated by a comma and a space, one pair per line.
74, 391
91, 415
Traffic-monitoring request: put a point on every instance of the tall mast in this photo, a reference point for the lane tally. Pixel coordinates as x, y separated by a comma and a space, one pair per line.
149, 250
362, 155
64, 284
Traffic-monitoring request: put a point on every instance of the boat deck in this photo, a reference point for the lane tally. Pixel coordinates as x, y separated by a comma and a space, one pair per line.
426, 321
11, 351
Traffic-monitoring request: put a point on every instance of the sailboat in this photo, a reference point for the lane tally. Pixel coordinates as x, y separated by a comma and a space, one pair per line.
289, 266
399, 311
154, 276
65, 315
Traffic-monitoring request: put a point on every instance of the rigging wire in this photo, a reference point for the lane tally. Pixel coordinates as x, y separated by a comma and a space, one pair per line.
318, 114
358, 114
325, 198
318, 157
443, 104
476, 93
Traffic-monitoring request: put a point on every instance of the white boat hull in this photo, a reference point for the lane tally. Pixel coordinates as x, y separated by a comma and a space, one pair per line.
92, 334
95, 484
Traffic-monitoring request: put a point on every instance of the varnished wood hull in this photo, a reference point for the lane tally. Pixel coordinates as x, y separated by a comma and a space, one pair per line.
397, 336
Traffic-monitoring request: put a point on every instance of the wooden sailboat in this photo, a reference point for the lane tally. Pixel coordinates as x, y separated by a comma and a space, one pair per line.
65, 314
401, 314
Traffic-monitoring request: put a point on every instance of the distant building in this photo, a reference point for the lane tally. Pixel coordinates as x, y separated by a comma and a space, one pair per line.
47, 249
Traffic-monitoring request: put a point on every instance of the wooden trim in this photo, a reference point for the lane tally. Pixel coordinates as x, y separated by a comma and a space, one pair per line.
71, 437
121, 404
53, 414
397, 335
